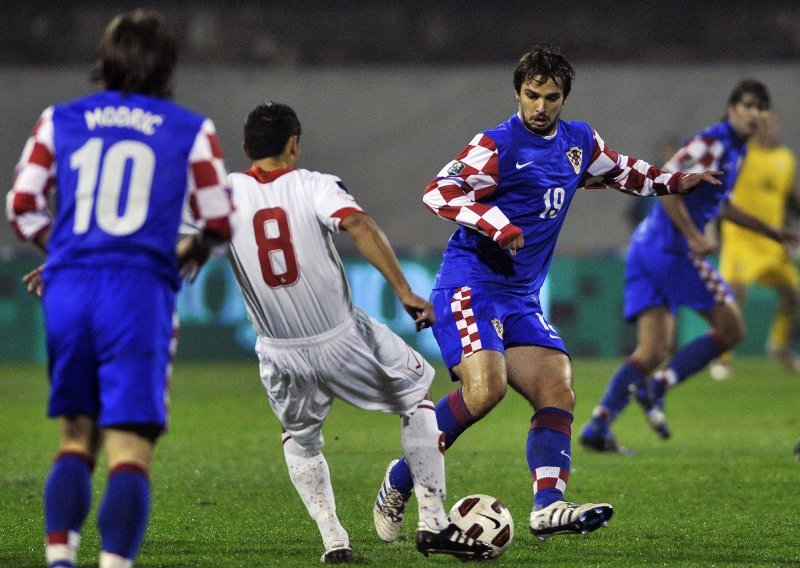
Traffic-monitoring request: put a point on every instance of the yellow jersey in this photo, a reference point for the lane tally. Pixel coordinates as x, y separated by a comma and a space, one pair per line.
765, 182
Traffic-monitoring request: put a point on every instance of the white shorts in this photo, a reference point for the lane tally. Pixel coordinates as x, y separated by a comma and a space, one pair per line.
361, 362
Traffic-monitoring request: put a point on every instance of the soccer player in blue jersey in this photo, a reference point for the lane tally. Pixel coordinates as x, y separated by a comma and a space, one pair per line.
509, 191
666, 268
123, 162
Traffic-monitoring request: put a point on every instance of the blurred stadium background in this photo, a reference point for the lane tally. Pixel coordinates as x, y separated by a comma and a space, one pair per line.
388, 92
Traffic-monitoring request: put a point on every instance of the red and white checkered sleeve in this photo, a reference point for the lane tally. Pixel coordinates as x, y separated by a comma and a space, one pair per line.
26, 203
456, 191
700, 154
209, 196
610, 169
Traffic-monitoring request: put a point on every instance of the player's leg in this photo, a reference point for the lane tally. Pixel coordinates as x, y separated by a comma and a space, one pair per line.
124, 511
136, 330
310, 475
483, 381
778, 342
476, 359
291, 379
726, 331
68, 490
73, 371
655, 329
544, 377
423, 448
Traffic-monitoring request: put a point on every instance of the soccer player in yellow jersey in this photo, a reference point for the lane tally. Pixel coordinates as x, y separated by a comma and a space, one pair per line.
765, 189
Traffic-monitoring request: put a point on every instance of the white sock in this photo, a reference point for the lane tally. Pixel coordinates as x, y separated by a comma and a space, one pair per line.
311, 477
332, 531
423, 447
68, 551
109, 560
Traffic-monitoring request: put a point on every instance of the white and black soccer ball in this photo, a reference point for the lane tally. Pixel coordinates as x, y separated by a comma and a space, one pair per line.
486, 519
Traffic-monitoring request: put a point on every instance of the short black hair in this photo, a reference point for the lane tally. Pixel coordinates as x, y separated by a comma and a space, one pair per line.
268, 129
753, 87
137, 54
547, 62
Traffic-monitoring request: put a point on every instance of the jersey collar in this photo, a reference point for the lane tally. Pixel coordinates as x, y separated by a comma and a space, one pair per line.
266, 177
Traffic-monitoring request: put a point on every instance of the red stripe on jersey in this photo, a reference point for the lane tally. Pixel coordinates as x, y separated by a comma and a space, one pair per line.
41, 156
205, 174
345, 212
24, 203
216, 151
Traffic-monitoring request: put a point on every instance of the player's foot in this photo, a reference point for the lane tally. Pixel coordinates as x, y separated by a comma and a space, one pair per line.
450, 540
797, 450
389, 509
338, 553
334, 538
655, 415
563, 517
650, 396
607, 443
720, 370
785, 357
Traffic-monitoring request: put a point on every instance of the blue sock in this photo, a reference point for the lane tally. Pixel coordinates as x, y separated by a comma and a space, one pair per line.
616, 397
67, 495
453, 417
122, 518
548, 453
695, 356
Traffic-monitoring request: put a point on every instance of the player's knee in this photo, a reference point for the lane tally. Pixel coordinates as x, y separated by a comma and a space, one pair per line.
481, 396
648, 360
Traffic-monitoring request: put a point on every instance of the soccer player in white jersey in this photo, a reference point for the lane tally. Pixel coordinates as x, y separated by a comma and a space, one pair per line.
313, 344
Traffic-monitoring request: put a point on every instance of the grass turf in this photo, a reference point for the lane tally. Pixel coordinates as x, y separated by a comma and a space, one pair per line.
722, 492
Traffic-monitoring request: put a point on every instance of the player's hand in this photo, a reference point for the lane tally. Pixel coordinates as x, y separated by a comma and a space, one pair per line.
192, 254
789, 237
690, 181
420, 310
702, 245
34, 281
516, 244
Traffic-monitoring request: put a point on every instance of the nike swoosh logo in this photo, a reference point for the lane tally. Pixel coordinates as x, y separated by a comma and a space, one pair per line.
520, 166
566, 455
495, 521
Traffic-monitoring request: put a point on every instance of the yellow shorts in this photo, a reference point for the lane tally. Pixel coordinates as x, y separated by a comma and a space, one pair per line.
745, 265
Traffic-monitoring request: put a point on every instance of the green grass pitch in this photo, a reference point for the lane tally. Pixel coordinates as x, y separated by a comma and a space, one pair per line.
724, 491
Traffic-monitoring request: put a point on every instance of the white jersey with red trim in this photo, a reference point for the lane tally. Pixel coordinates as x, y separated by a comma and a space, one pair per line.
282, 253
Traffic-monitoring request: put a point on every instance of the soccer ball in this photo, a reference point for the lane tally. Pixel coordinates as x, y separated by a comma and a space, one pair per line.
485, 519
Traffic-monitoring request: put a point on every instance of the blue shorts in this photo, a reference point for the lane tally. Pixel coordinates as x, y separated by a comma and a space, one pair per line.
469, 319
108, 342
656, 278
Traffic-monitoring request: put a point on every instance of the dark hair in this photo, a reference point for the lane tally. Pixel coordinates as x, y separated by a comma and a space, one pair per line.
755, 88
137, 54
547, 62
268, 129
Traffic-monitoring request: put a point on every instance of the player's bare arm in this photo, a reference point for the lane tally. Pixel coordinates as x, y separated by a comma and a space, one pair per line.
375, 247
736, 215
699, 244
